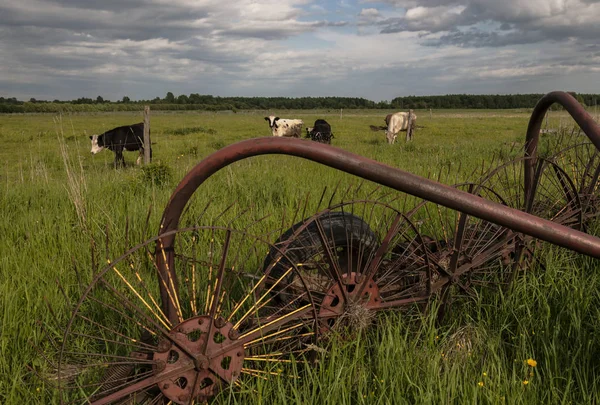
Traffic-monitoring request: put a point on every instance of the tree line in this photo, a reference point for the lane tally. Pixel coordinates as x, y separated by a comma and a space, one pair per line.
482, 101
197, 101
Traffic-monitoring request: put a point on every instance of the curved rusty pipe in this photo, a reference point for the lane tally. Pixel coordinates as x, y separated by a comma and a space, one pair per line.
580, 115
378, 173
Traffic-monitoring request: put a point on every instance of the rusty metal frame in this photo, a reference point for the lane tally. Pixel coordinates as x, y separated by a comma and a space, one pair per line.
391, 177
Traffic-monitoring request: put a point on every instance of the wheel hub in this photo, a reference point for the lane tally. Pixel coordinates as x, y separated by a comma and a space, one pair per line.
334, 306
209, 345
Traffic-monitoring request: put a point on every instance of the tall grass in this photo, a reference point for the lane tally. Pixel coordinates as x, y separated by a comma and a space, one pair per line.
62, 210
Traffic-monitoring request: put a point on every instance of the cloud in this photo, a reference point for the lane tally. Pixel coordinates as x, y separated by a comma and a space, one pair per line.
481, 22
144, 48
369, 13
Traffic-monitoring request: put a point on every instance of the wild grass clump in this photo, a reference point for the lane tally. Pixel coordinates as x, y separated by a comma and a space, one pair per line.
157, 174
216, 145
192, 130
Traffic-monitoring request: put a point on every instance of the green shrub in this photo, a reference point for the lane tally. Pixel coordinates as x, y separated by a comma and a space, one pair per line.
216, 145
191, 130
157, 174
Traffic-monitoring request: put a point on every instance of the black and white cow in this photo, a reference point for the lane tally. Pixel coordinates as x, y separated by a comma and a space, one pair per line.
127, 137
320, 132
285, 126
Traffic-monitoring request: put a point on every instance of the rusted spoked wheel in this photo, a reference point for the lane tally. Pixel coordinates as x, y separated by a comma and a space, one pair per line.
464, 253
553, 195
582, 162
469, 252
488, 254
120, 347
357, 258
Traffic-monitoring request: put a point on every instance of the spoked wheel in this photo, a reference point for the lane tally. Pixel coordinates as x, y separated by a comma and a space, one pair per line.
465, 252
582, 162
469, 252
357, 258
552, 196
120, 347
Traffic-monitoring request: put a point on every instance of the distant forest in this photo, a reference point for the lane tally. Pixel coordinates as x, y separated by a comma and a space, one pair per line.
211, 103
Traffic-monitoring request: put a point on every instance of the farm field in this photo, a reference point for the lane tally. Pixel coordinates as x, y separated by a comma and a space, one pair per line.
64, 213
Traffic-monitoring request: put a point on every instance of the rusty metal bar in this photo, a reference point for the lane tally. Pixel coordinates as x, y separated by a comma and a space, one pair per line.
379, 173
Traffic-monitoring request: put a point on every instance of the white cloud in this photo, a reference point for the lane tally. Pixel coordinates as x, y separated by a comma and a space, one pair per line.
369, 13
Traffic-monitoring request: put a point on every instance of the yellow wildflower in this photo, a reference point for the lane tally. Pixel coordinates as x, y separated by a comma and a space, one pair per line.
531, 362
525, 382
480, 383
484, 374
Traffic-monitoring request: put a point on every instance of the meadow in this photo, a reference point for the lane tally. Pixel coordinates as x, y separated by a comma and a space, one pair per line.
64, 212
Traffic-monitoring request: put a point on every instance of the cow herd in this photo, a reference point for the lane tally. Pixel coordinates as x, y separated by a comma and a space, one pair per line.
131, 137
319, 132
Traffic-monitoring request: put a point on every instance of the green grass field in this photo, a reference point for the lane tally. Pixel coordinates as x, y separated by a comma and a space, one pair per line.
63, 209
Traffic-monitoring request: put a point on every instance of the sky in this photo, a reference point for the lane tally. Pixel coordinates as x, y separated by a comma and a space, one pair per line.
376, 49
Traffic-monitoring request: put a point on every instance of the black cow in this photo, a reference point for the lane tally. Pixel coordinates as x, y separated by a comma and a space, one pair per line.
128, 137
320, 132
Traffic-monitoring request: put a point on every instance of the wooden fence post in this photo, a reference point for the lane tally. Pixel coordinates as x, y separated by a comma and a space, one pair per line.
147, 156
409, 126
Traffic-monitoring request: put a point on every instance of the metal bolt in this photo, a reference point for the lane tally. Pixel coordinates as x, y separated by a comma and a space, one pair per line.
234, 334
160, 366
164, 346
239, 354
166, 386
220, 322
184, 397
204, 364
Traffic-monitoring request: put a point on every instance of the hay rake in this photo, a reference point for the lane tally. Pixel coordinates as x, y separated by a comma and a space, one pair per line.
194, 310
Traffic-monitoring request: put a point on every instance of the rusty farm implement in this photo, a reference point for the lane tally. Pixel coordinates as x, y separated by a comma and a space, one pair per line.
199, 308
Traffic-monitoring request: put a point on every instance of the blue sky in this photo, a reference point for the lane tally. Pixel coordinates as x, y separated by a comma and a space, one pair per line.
377, 49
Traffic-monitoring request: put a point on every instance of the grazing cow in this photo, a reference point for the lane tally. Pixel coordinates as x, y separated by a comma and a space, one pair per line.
128, 137
398, 122
395, 123
284, 126
320, 132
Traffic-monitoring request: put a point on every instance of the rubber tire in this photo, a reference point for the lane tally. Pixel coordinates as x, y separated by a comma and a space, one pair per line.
342, 229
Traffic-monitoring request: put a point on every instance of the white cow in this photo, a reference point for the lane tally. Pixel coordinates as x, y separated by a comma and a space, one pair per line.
284, 126
395, 123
